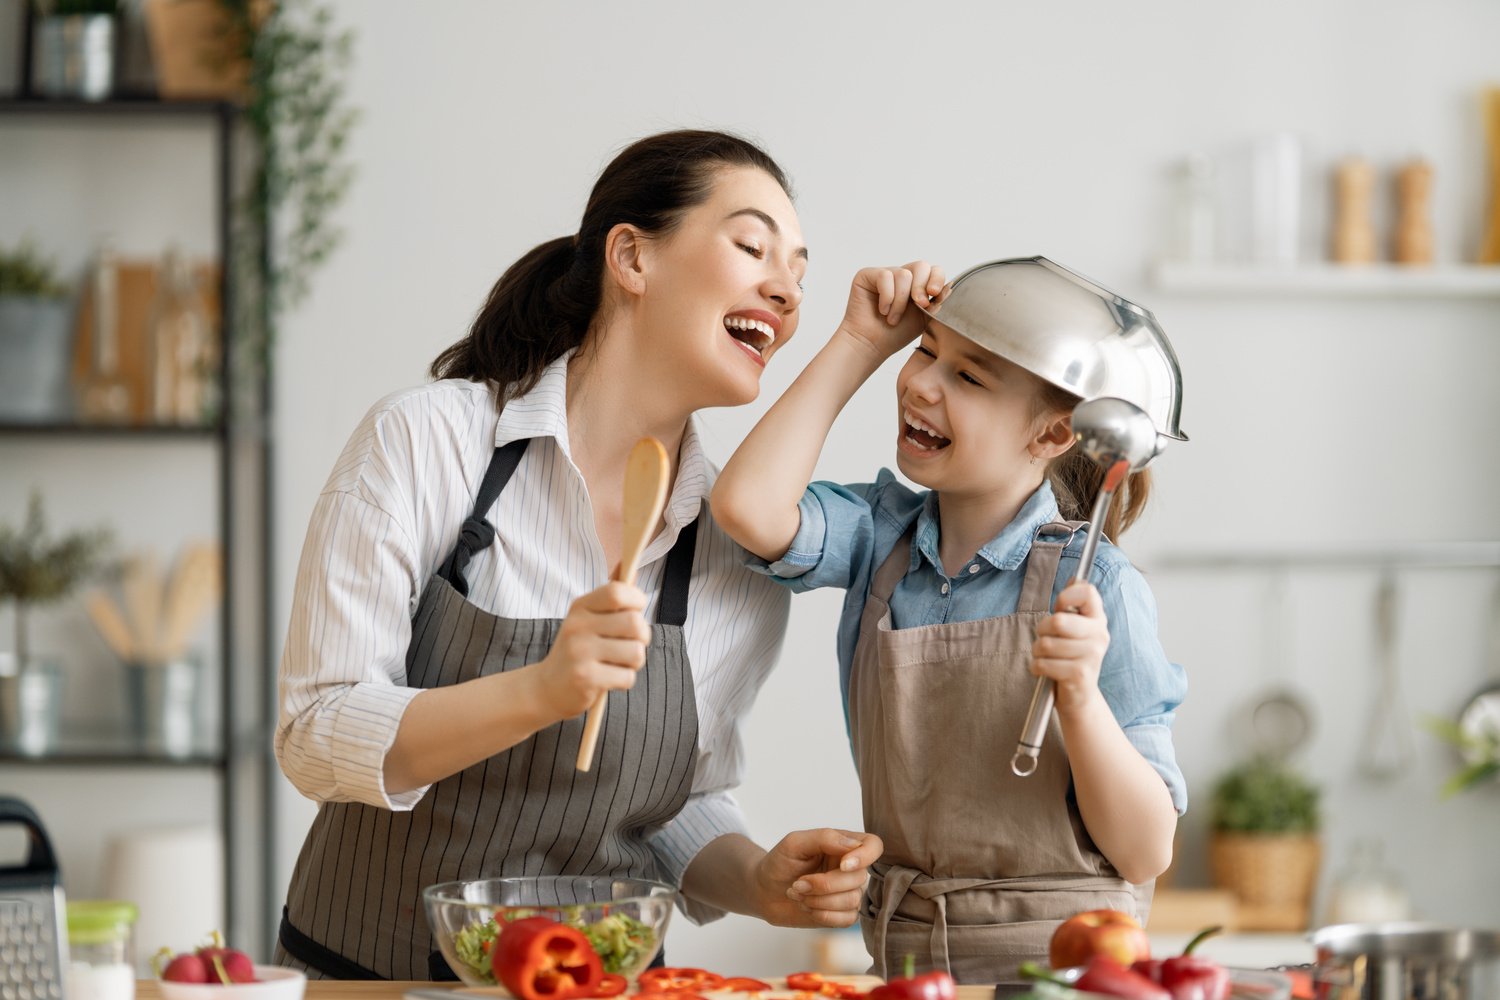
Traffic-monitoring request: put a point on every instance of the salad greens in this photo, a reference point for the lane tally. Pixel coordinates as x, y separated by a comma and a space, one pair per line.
622, 942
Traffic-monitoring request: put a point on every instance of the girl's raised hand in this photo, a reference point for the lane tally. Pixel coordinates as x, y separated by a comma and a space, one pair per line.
1070, 645
600, 646
881, 314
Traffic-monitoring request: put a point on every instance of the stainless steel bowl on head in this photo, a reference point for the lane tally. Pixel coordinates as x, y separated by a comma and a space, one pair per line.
1069, 331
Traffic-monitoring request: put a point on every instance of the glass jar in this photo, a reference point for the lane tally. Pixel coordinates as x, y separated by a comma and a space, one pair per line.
101, 950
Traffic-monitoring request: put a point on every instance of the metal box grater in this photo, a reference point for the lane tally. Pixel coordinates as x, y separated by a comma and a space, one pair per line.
33, 934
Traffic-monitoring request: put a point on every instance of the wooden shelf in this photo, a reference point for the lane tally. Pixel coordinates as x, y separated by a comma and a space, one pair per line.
1454, 281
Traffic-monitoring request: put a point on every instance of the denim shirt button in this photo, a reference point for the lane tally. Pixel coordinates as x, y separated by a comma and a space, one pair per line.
945, 588
973, 567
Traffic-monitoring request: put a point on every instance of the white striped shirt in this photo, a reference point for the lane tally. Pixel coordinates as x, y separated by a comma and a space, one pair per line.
388, 517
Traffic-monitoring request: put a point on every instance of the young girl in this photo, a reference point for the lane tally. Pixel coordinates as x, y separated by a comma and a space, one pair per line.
947, 624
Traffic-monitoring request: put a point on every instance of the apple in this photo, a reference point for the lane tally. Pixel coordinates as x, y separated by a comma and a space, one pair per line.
1098, 932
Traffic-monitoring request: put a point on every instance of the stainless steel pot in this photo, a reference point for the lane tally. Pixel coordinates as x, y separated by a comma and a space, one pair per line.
1406, 961
1070, 331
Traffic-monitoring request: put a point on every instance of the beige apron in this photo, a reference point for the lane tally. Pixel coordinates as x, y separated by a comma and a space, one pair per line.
979, 865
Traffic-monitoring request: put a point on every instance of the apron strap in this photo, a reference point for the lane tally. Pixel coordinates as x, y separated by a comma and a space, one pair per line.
894, 568
1041, 565
672, 608
325, 960
477, 533
893, 885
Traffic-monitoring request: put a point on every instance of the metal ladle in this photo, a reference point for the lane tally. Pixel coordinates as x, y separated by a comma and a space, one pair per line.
1121, 437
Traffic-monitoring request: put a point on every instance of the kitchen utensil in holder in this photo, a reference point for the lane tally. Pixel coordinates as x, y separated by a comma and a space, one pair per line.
33, 937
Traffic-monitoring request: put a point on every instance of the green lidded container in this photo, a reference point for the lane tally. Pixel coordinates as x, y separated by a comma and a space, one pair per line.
101, 932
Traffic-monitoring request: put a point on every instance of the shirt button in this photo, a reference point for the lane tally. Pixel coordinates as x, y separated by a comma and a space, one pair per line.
945, 588
974, 568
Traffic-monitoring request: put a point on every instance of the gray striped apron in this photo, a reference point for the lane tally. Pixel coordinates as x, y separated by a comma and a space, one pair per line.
354, 907
980, 866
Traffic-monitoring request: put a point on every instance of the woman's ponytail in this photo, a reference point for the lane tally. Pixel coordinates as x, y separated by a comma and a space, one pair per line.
545, 303
539, 310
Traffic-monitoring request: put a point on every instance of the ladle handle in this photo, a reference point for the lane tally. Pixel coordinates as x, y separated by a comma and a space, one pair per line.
1023, 762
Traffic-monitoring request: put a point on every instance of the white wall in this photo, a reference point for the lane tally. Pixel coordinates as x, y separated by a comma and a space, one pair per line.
964, 132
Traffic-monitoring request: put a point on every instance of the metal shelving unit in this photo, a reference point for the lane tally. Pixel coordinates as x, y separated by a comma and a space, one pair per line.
241, 758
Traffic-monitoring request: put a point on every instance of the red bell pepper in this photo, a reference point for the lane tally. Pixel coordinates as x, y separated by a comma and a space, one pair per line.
1186, 976
668, 979
928, 986
1104, 975
743, 984
540, 959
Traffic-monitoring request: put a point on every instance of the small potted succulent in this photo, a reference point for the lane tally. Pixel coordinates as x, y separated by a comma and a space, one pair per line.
1265, 846
73, 48
35, 337
35, 570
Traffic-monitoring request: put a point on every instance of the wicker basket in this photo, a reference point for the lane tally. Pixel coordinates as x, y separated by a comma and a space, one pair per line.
1271, 874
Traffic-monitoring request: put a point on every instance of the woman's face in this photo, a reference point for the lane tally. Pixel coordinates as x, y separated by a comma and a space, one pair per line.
965, 420
721, 292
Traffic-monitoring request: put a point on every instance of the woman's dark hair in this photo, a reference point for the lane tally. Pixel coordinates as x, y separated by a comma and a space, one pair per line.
543, 305
1076, 478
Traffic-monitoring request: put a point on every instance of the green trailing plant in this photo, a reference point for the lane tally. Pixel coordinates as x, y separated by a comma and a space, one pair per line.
35, 569
1480, 752
25, 272
299, 122
1265, 796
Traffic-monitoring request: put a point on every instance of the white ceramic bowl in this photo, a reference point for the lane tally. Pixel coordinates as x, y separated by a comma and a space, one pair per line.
275, 983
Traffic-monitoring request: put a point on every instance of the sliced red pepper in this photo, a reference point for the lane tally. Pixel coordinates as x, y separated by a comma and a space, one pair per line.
682, 995
668, 979
807, 982
610, 985
1105, 975
936, 985
743, 984
540, 959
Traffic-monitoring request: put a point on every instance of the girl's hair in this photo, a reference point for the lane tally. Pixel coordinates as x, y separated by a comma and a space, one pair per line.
1076, 478
544, 304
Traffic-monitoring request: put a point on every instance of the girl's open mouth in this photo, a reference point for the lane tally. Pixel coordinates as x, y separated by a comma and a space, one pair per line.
922, 435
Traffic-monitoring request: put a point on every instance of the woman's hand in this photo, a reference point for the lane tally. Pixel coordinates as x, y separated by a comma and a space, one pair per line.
880, 313
599, 648
1070, 645
816, 878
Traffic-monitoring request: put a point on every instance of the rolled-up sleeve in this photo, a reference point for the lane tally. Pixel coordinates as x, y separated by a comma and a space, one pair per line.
833, 540
343, 671
1142, 687
705, 817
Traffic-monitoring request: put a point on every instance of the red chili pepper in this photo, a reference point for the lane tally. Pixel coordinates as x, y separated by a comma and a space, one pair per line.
806, 982
540, 959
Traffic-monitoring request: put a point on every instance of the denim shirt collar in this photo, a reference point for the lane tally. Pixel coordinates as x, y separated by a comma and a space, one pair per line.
1007, 550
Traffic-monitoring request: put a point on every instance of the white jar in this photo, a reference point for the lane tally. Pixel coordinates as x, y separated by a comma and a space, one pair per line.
101, 950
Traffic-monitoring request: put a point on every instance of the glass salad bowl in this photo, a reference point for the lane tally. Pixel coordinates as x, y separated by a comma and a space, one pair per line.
624, 919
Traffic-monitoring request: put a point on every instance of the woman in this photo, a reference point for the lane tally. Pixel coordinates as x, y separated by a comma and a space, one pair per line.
438, 664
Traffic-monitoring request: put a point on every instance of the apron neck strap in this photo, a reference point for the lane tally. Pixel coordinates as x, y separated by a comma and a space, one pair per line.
477, 533
894, 568
1041, 564
672, 608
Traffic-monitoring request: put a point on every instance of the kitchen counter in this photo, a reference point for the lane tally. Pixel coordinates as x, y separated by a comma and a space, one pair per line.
328, 989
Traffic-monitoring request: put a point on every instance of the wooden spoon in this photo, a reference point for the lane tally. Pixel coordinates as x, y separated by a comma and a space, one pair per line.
646, 474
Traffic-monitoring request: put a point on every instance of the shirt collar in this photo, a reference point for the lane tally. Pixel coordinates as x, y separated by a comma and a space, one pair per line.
543, 412
1007, 550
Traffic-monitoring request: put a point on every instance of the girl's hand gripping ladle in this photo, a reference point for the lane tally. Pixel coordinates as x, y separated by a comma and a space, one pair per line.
1120, 436
646, 473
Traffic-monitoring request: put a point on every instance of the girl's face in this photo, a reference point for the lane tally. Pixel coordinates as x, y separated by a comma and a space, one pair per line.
721, 292
967, 423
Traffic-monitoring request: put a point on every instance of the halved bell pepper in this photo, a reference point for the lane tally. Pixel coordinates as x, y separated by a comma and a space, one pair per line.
540, 959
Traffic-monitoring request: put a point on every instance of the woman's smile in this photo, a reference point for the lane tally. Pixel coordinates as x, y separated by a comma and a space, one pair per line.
754, 332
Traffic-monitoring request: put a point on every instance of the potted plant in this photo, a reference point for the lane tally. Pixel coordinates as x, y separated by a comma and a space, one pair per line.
73, 48
35, 569
36, 340
1265, 847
